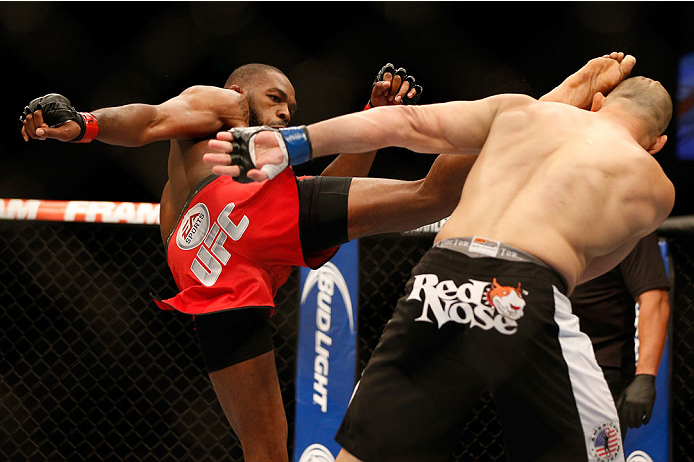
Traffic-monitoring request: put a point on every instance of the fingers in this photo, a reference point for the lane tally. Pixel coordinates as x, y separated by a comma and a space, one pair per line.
396, 83
234, 171
230, 170
219, 146
38, 118
29, 127
217, 159
381, 88
225, 136
34, 127
401, 86
635, 417
405, 88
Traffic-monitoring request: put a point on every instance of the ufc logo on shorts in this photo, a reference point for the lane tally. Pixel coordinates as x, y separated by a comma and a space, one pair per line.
464, 304
212, 256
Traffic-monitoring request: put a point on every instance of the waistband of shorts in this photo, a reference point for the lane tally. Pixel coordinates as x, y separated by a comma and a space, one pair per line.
198, 187
482, 247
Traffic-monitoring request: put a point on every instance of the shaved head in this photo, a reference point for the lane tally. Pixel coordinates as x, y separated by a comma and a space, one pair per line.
648, 100
249, 74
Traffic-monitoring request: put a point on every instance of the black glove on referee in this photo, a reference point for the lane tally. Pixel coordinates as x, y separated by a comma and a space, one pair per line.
635, 404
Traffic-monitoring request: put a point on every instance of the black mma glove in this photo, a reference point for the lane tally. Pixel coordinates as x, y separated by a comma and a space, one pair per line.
293, 142
635, 404
57, 110
403, 75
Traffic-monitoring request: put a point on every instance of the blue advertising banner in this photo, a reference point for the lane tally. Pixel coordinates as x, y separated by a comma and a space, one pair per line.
326, 356
651, 443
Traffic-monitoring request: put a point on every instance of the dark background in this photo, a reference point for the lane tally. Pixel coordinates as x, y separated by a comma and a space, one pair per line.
102, 54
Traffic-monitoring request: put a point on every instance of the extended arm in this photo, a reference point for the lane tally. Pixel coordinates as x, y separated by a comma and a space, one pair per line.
598, 75
196, 112
458, 128
390, 87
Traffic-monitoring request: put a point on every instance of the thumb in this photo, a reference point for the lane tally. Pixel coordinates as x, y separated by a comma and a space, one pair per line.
257, 175
65, 132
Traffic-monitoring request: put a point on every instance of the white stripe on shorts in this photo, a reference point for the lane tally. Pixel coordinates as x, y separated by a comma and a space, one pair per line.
593, 398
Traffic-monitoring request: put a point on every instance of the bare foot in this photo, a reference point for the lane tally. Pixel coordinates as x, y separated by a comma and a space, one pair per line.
598, 75
606, 72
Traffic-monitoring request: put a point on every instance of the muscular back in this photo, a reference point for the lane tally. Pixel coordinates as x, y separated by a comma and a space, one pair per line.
566, 185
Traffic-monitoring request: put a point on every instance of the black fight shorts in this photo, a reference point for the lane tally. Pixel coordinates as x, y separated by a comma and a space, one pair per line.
323, 212
231, 337
470, 322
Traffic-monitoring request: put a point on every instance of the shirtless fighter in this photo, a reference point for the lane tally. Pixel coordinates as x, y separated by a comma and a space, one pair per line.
556, 196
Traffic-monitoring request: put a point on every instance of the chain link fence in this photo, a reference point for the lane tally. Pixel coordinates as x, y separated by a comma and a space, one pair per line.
90, 369
682, 378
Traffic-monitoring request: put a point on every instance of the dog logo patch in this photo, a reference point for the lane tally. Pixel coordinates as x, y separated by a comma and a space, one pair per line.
507, 300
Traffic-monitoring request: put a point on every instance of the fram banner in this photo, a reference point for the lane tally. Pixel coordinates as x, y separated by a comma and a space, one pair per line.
651, 442
326, 357
141, 213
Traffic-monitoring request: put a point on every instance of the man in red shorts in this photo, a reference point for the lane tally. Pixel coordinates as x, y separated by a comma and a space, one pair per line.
231, 246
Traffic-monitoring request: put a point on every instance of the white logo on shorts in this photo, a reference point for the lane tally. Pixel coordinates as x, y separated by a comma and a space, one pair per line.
317, 453
477, 303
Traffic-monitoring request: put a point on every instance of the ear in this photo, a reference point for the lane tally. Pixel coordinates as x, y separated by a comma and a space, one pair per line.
237, 89
598, 100
657, 145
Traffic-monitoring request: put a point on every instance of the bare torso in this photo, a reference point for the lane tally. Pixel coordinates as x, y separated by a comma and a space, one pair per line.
186, 169
578, 196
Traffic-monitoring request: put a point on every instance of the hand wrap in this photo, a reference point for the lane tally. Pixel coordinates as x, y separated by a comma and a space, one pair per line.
293, 142
57, 110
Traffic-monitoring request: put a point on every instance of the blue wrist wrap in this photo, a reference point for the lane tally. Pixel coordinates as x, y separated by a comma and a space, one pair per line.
298, 144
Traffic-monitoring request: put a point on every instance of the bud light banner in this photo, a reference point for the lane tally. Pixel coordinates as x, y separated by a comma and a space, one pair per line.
326, 357
651, 442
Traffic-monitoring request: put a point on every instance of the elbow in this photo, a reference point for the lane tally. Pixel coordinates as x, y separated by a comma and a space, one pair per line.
439, 201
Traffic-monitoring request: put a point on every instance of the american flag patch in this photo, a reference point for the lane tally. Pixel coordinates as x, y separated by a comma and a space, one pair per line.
606, 442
